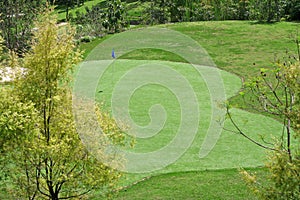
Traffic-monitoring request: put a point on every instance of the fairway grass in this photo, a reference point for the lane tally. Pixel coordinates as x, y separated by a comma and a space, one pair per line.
243, 47
240, 47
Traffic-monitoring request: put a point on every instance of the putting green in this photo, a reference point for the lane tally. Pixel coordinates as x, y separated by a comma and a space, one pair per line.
230, 151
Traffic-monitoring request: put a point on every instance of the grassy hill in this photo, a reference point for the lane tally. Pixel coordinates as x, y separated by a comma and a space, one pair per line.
239, 47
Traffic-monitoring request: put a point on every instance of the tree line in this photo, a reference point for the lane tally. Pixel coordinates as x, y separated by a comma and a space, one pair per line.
161, 11
17, 16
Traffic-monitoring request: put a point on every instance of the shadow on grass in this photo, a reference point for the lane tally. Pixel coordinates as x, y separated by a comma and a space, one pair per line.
210, 184
263, 22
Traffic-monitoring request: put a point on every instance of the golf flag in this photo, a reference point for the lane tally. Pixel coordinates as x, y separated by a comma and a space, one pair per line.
113, 54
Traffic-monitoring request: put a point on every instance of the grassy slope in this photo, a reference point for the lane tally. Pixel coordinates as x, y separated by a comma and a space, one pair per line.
234, 46
240, 47
209, 185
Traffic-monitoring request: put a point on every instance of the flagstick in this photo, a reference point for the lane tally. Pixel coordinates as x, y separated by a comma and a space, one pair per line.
114, 57
112, 79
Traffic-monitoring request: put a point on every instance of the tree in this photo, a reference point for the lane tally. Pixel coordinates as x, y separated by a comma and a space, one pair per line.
89, 23
115, 19
46, 158
277, 93
267, 10
292, 9
16, 20
157, 12
67, 4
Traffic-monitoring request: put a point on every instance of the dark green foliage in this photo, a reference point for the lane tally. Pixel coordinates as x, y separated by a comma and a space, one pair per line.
99, 20
71, 3
157, 12
90, 23
67, 5
16, 22
115, 17
267, 10
187, 10
293, 9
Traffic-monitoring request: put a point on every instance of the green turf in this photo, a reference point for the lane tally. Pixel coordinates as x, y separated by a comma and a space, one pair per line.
209, 185
231, 150
240, 47
234, 46
87, 47
152, 54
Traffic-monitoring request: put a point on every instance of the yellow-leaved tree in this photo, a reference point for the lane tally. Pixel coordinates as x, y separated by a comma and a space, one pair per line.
45, 158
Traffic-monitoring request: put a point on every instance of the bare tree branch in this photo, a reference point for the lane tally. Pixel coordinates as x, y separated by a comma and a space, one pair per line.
244, 135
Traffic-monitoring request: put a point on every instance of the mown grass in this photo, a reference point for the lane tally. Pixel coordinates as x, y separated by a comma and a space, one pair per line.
87, 47
242, 48
230, 151
239, 47
224, 184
